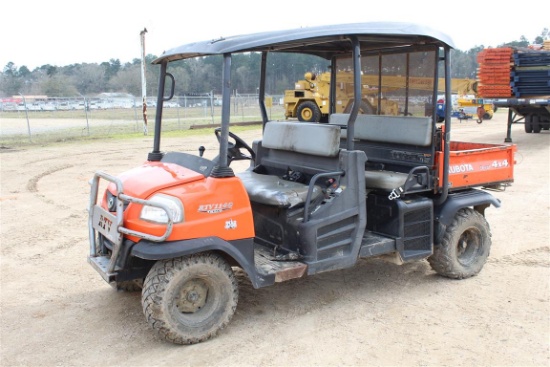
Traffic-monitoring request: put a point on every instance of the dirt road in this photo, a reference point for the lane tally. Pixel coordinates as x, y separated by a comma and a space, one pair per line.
57, 311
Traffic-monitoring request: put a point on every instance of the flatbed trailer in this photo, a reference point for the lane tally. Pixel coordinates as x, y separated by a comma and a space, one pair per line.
534, 112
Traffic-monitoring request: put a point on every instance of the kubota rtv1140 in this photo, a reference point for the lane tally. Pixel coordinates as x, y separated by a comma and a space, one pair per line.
316, 197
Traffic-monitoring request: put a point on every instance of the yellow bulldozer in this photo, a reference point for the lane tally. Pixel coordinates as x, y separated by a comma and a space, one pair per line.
309, 100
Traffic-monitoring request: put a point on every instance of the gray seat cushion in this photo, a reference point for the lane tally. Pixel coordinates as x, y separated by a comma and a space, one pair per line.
272, 190
301, 137
389, 129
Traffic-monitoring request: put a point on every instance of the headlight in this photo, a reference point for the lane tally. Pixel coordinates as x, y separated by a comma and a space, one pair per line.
111, 201
158, 215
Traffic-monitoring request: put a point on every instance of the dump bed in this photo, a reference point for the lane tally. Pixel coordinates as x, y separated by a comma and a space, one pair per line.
478, 164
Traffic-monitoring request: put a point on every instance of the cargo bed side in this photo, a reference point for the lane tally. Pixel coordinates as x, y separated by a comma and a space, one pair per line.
478, 164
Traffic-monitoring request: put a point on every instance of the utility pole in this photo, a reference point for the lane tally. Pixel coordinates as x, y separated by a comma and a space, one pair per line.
143, 81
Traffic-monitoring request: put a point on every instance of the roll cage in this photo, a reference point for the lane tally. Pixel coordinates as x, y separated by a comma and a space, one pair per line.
328, 42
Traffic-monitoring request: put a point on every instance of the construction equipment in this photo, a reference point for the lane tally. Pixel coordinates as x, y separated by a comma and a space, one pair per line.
467, 101
308, 101
315, 198
518, 79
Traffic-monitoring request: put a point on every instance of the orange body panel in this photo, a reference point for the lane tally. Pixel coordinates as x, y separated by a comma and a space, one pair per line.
212, 206
478, 164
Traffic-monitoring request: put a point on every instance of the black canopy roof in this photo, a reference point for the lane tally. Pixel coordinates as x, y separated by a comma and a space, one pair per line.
323, 41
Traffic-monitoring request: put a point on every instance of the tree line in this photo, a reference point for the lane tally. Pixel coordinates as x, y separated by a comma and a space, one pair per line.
194, 76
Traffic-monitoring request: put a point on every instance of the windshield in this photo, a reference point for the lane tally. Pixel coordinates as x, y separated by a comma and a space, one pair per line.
392, 84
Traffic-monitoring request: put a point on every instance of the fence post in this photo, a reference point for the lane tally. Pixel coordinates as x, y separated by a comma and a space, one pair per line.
86, 112
178, 113
212, 105
27, 115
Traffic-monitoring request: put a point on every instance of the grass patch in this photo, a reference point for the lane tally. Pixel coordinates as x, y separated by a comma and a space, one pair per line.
119, 131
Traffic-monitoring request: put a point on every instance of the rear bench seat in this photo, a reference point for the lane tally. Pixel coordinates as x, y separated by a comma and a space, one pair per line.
309, 139
404, 130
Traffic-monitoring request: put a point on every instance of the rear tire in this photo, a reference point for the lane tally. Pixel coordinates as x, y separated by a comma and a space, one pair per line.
465, 246
189, 299
535, 123
365, 108
308, 111
528, 125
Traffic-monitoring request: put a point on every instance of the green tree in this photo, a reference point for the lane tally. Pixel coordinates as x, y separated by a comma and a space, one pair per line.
10, 69
57, 86
90, 79
543, 36
49, 69
111, 68
10, 82
194, 76
464, 64
24, 72
127, 80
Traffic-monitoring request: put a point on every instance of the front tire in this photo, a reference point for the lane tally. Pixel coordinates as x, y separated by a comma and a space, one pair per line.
465, 246
308, 111
189, 299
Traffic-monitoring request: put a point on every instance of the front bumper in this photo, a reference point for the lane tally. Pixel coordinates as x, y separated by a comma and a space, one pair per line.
111, 226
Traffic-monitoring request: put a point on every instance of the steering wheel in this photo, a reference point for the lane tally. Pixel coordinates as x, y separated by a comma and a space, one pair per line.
234, 149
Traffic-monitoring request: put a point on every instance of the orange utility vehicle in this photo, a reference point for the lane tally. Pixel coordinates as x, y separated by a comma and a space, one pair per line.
316, 197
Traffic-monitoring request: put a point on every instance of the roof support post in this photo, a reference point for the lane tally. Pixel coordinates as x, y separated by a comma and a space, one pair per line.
261, 93
356, 55
332, 86
447, 134
223, 169
156, 154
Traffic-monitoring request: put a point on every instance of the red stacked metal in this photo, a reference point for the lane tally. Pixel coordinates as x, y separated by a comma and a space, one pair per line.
493, 76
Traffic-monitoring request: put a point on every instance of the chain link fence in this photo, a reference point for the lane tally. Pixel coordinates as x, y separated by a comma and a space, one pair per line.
38, 119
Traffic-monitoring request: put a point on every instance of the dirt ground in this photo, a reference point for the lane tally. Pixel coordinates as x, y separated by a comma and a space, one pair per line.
57, 311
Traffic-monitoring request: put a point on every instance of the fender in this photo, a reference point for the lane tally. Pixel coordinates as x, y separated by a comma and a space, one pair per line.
241, 251
478, 199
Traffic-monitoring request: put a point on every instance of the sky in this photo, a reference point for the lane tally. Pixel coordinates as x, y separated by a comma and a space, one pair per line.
60, 32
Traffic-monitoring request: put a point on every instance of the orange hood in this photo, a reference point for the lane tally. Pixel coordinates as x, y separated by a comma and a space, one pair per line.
141, 182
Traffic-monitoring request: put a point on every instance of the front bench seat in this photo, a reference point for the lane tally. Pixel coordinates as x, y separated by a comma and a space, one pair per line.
272, 190
301, 138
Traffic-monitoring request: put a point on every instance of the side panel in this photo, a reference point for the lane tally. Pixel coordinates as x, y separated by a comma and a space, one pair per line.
331, 239
476, 164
